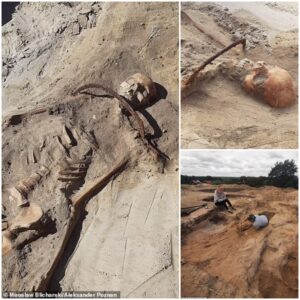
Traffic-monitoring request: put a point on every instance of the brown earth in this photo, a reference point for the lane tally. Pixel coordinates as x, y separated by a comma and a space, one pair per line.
220, 261
124, 234
217, 112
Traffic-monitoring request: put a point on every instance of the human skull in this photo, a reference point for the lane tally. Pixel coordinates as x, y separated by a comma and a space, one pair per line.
273, 84
138, 89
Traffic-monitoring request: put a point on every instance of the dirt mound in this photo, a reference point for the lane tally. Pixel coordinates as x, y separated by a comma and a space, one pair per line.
219, 260
105, 188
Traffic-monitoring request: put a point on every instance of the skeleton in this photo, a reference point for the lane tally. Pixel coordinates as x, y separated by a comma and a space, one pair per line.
272, 84
26, 226
28, 220
30, 213
127, 105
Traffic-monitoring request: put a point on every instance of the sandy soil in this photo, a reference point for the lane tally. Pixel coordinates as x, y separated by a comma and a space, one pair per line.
218, 113
111, 246
220, 261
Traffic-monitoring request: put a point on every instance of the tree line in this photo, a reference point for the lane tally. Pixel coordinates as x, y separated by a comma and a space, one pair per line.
283, 174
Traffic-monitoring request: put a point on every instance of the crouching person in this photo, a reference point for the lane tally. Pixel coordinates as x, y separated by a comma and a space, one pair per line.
256, 221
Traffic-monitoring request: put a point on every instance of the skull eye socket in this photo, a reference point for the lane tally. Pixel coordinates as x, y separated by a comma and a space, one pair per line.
132, 89
141, 89
259, 79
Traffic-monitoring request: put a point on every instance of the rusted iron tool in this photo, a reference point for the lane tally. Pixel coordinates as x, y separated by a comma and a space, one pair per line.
191, 78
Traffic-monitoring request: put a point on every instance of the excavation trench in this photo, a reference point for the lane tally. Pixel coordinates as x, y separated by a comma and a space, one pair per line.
220, 259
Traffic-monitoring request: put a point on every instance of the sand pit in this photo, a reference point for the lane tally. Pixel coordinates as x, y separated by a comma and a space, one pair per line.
220, 261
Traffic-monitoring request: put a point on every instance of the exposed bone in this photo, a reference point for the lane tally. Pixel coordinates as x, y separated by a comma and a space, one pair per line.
91, 187
76, 134
79, 168
138, 89
72, 170
60, 144
32, 157
32, 181
27, 217
7, 245
16, 195
20, 192
237, 70
68, 136
273, 84
78, 173
127, 106
23, 188
69, 178
87, 191
74, 165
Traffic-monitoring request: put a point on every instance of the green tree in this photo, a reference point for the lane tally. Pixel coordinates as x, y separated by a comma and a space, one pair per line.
284, 169
283, 174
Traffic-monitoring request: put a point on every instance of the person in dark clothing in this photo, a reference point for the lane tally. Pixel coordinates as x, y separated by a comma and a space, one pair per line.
221, 200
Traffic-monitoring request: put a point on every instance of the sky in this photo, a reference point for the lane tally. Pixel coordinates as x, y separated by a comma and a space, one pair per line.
232, 163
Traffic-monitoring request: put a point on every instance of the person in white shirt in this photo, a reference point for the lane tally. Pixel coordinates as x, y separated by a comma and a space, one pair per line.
256, 221
220, 198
